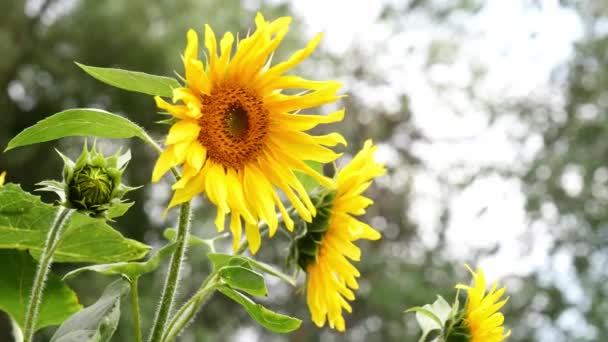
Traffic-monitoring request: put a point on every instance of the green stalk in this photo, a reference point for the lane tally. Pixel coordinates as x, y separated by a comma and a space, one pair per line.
185, 314
172, 280
46, 258
135, 304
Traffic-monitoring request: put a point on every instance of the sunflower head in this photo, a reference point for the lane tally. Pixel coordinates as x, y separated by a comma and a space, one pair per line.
93, 182
2, 177
482, 321
237, 135
326, 250
305, 246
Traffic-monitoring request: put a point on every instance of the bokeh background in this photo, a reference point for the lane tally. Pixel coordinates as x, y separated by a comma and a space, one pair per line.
490, 115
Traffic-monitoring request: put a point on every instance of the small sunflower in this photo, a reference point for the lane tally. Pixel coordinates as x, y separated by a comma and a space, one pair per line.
239, 138
326, 251
2, 177
482, 320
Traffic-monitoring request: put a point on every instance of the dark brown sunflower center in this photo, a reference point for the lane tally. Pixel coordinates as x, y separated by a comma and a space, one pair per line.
234, 125
236, 120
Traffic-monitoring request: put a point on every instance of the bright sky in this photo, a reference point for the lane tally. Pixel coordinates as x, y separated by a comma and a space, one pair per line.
519, 46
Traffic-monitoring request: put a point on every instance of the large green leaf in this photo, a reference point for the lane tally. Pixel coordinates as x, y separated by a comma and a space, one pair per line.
25, 220
268, 319
79, 122
244, 279
96, 322
133, 80
130, 270
18, 270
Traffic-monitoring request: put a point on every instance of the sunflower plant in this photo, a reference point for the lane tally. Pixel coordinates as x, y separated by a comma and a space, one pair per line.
479, 320
240, 136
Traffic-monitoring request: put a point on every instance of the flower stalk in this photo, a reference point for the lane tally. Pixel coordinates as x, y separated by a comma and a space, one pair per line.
135, 305
172, 280
46, 258
185, 314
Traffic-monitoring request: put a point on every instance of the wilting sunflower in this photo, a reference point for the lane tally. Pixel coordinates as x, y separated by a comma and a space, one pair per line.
2, 177
482, 320
239, 137
327, 249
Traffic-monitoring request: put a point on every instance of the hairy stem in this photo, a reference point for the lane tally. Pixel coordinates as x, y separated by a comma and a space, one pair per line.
185, 314
46, 258
135, 304
172, 280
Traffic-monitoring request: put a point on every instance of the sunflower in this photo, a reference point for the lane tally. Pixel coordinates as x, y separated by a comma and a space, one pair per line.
326, 251
2, 177
239, 138
482, 320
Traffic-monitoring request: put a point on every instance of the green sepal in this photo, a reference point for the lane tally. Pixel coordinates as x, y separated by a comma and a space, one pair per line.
171, 121
308, 236
93, 183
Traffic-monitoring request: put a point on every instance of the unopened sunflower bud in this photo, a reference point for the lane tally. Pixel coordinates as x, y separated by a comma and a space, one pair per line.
90, 187
93, 182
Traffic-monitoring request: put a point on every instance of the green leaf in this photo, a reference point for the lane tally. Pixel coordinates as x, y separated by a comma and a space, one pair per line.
79, 122
133, 80
130, 270
25, 220
432, 316
118, 209
307, 181
96, 322
244, 279
220, 260
268, 319
18, 270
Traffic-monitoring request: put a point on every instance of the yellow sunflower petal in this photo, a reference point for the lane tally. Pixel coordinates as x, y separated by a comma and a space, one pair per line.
182, 131
332, 278
253, 237
482, 318
236, 229
163, 164
226, 139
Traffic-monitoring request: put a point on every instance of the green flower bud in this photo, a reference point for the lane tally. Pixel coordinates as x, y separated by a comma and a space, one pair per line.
90, 187
93, 183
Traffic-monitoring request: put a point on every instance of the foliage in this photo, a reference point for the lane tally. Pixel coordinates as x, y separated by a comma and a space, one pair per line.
37, 70
59, 300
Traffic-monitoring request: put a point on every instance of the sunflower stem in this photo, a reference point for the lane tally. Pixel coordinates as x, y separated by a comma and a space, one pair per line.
185, 314
46, 258
135, 304
173, 276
